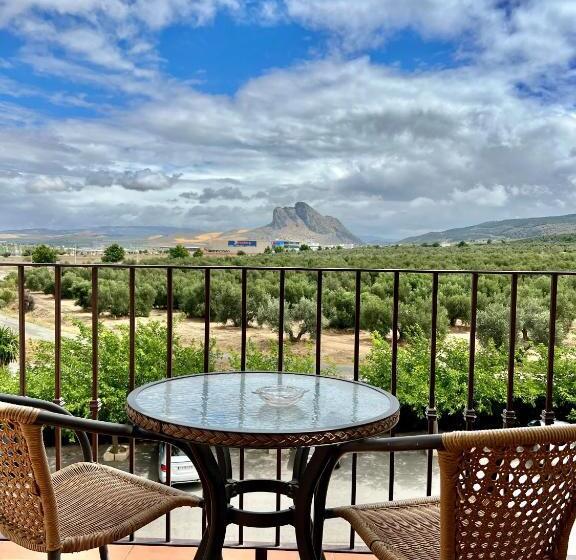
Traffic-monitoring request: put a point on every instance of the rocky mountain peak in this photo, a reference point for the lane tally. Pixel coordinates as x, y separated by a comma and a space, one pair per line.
304, 223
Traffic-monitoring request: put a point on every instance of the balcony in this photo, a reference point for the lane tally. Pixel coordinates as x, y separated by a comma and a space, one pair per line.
359, 478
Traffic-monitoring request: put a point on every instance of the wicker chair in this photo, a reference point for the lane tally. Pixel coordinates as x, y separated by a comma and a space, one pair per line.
504, 494
83, 506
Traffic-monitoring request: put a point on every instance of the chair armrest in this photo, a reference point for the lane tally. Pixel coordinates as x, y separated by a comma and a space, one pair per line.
391, 444
99, 427
54, 409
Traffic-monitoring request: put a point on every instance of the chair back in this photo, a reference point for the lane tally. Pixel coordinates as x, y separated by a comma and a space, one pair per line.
508, 493
28, 513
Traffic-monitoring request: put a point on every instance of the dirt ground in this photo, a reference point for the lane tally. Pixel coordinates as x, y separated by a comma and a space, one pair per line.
337, 346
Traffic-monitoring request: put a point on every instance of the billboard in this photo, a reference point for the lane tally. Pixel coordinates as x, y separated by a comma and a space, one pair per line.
242, 243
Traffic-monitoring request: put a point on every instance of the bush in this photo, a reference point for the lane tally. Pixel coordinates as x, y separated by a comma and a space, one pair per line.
299, 318
44, 254
113, 347
7, 296
8, 346
178, 252
113, 254
40, 280
267, 360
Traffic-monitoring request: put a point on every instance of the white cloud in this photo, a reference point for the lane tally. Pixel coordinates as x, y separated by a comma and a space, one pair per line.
375, 146
141, 180
482, 196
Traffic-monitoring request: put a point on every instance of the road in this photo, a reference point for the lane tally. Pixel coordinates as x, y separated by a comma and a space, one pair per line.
33, 331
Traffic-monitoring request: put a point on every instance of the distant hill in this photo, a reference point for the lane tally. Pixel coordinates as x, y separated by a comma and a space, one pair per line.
97, 236
302, 223
298, 223
522, 228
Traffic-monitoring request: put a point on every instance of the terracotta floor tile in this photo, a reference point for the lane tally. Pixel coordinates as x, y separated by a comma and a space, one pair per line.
11, 551
161, 553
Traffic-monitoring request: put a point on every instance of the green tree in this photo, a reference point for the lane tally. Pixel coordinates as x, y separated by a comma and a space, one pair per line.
299, 318
44, 254
113, 348
457, 307
493, 325
178, 252
198, 253
375, 313
8, 346
304, 247
113, 253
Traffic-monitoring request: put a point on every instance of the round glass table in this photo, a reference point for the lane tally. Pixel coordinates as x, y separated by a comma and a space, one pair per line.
207, 414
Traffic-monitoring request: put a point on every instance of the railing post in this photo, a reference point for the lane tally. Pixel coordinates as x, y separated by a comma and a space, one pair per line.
95, 403
394, 372
22, 328
206, 320
58, 359
509, 415
548, 412
431, 413
357, 310
470, 414
319, 323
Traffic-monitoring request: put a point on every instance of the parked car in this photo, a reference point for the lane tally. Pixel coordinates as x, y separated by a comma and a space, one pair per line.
539, 422
182, 469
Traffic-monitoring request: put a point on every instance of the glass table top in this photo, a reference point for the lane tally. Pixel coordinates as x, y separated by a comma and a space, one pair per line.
229, 402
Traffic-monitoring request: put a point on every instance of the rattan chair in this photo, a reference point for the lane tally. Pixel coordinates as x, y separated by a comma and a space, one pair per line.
504, 494
82, 506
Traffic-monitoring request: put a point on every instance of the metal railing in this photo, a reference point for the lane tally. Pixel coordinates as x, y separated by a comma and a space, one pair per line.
509, 416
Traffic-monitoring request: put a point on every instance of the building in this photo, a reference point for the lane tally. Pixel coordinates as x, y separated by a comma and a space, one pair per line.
248, 246
287, 245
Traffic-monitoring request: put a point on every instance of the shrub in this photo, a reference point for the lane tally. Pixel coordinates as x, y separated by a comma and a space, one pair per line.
113, 253
178, 252
8, 346
113, 347
44, 254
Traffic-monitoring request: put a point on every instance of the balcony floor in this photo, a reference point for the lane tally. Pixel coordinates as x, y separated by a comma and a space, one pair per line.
11, 551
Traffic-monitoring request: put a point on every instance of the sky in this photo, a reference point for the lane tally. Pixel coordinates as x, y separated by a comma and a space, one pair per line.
396, 117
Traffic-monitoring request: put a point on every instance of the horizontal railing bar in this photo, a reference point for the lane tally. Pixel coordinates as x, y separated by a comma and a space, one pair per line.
297, 268
400, 443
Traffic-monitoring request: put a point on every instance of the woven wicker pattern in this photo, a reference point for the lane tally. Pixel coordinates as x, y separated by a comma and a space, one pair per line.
81, 507
263, 440
111, 504
27, 501
505, 494
402, 530
508, 493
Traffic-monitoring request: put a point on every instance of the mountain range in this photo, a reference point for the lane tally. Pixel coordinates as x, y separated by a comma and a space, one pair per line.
520, 228
298, 223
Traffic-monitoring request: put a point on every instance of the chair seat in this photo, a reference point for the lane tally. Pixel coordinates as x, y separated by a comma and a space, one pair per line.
401, 530
98, 505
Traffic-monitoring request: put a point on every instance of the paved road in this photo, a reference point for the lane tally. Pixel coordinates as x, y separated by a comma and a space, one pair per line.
33, 331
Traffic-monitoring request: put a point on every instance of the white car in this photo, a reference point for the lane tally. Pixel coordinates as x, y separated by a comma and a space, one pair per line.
182, 469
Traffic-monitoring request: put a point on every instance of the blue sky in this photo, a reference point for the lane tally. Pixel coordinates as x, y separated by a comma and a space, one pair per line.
206, 114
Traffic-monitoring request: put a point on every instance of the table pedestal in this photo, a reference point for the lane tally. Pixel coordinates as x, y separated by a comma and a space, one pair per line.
308, 487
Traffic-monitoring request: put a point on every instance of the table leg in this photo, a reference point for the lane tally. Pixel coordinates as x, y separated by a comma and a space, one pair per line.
312, 488
216, 503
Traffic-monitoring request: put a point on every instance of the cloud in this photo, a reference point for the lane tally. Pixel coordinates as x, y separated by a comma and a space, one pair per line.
208, 194
483, 196
141, 180
380, 148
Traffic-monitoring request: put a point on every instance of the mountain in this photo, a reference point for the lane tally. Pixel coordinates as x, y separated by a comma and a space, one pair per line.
298, 223
97, 236
302, 223
522, 228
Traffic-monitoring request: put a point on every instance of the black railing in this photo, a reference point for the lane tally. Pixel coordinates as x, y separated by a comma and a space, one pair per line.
509, 416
